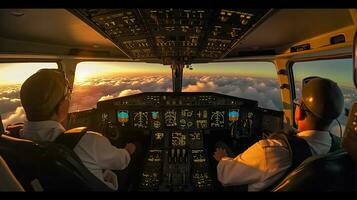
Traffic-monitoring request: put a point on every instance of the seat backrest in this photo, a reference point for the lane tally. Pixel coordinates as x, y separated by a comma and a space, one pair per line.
54, 166
330, 172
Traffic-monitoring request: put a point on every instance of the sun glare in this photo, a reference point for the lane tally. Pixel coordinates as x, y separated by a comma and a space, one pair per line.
17, 73
87, 70
83, 73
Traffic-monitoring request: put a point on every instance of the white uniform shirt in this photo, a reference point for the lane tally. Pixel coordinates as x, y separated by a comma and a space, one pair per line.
95, 151
267, 161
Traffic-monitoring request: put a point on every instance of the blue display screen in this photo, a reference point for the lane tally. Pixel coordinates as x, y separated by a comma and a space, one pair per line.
155, 115
123, 116
233, 115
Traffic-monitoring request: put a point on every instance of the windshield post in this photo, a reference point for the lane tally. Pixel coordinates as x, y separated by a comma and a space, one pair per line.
177, 73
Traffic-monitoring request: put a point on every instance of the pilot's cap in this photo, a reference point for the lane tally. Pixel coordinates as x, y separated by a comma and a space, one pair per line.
322, 97
41, 93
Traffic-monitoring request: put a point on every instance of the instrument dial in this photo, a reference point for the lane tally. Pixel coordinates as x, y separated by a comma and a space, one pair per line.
170, 118
141, 119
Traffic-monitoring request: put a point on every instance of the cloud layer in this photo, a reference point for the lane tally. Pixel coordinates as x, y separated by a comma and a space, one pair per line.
10, 105
15, 117
88, 93
264, 90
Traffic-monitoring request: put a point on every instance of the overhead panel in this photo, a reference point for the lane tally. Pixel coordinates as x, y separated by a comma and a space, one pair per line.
182, 36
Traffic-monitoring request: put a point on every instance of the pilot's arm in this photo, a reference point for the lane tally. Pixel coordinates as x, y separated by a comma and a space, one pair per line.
257, 164
104, 153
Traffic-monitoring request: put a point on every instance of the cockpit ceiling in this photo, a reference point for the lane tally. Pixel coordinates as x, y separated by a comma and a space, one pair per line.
181, 36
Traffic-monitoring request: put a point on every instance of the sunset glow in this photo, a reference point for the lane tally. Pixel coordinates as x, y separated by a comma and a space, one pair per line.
14, 73
99, 81
87, 70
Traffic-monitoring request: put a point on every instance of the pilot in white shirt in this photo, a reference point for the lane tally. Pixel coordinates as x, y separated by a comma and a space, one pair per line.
95, 151
267, 161
45, 97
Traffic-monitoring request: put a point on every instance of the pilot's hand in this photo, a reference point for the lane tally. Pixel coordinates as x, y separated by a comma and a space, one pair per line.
219, 154
130, 147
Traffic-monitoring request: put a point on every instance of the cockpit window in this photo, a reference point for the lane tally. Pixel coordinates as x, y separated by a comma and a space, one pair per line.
338, 70
12, 75
98, 81
251, 80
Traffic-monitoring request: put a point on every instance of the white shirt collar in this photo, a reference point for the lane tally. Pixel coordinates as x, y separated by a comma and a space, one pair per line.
310, 133
319, 141
42, 130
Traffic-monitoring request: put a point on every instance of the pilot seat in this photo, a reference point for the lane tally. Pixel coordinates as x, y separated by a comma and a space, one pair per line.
47, 166
330, 172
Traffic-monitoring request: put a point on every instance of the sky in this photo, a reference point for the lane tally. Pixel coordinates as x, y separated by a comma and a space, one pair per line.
14, 73
339, 70
101, 81
252, 69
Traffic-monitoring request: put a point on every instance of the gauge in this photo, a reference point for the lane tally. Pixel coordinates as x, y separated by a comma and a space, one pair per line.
195, 140
233, 115
170, 118
141, 119
155, 117
154, 155
217, 119
186, 118
195, 136
105, 117
186, 113
198, 156
159, 136
201, 124
157, 124
123, 117
178, 139
183, 123
201, 114
189, 124
158, 139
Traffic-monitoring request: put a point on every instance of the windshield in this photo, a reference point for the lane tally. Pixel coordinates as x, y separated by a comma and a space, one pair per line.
98, 81
251, 80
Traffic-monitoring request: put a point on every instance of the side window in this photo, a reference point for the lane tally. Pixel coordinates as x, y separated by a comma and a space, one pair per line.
12, 75
338, 70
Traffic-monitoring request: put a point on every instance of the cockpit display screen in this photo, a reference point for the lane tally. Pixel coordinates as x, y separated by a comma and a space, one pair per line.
155, 115
233, 115
123, 117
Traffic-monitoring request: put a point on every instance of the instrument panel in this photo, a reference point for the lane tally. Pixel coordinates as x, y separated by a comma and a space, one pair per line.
181, 131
